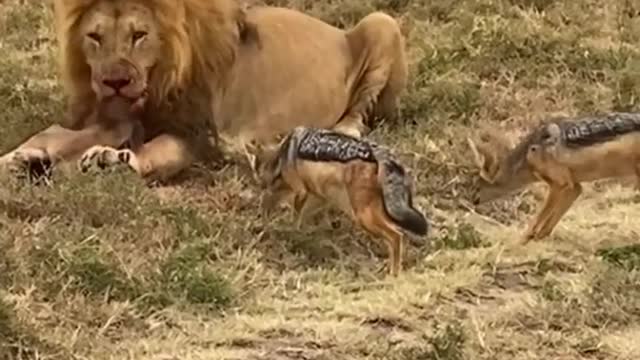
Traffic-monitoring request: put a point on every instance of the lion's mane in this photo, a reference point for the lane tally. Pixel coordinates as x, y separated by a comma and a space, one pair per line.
200, 43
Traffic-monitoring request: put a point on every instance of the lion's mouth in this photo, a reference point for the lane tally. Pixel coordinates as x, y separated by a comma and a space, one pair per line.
137, 101
131, 90
122, 79
135, 94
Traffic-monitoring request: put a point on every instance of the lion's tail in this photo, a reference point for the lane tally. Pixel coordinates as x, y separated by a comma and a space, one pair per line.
398, 199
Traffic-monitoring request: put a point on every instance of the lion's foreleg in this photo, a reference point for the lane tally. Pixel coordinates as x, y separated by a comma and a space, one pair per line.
157, 160
58, 144
163, 157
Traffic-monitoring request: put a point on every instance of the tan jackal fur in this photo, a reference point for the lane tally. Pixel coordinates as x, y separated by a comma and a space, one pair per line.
563, 153
322, 167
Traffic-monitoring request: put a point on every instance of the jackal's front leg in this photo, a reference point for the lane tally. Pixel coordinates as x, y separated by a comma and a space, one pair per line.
543, 214
270, 199
567, 197
300, 205
306, 206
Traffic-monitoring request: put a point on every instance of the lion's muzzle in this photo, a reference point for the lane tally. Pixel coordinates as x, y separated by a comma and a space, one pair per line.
120, 78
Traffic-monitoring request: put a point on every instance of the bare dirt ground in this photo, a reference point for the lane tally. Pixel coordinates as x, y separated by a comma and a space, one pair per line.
98, 266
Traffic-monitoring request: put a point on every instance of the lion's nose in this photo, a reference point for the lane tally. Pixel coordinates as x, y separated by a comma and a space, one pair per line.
117, 84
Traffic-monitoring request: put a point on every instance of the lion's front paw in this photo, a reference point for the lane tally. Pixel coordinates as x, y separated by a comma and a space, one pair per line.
104, 157
33, 163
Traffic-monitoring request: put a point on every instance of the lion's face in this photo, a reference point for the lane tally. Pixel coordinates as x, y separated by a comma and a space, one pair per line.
122, 44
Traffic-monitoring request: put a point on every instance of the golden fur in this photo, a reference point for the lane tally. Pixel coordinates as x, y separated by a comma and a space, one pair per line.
225, 71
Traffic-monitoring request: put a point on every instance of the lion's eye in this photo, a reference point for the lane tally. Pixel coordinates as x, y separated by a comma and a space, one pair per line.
138, 35
94, 36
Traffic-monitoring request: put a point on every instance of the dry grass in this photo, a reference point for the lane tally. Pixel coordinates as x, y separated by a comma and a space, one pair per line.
97, 267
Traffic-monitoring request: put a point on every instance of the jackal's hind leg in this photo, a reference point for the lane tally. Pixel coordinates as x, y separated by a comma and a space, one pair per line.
371, 217
377, 226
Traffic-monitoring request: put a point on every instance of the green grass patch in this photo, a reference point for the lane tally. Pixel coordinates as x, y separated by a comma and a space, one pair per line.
92, 274
625, 257
185, 276
447, 341
459, 237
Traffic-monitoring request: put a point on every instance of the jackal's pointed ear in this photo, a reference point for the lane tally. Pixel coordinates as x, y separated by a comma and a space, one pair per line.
485, 159
252, 151
482, 154
553, 134
478, 157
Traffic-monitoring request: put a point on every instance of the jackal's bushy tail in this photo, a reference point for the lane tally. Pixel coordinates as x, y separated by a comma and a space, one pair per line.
398, 200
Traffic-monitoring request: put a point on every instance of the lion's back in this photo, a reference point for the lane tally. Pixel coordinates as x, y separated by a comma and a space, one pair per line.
292, 69
285, 39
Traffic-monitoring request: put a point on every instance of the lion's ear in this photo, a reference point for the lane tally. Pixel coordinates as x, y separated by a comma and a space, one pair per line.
241, 22
246, 29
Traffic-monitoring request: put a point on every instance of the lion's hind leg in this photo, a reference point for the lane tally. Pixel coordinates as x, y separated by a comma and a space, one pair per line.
380, 72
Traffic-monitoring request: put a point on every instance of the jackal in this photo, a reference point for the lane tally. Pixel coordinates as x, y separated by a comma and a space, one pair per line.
562, 152
322, 167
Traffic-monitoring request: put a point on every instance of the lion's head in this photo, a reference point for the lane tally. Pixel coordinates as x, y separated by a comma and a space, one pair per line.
145, 48
121, 45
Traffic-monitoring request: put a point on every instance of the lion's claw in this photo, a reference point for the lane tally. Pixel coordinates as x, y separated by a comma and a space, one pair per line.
124, 156
31, 163
104, 157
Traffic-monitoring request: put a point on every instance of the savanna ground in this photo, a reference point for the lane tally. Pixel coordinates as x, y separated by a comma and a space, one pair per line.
97, 267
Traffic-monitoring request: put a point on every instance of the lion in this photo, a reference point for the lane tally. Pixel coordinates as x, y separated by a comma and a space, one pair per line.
215, 74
